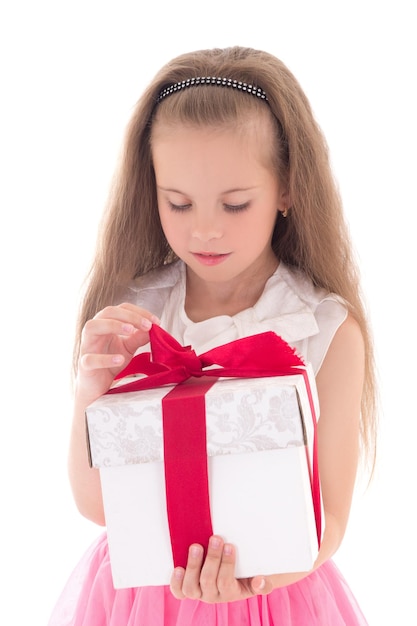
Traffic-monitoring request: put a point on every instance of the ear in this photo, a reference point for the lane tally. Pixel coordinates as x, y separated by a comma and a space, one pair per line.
284, 202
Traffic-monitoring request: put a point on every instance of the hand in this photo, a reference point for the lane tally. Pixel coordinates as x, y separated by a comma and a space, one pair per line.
213, 579
108, 342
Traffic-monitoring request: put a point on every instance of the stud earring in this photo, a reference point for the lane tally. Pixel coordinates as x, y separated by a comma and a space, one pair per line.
284, 212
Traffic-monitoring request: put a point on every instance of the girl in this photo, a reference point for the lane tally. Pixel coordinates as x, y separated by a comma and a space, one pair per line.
225, 221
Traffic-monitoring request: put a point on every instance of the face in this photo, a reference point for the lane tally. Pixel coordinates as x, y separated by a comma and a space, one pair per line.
217, 200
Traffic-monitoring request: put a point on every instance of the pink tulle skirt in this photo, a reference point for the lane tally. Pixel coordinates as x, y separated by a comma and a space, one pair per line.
89, 599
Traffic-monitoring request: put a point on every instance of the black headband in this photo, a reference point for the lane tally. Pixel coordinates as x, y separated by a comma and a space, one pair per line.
212, 80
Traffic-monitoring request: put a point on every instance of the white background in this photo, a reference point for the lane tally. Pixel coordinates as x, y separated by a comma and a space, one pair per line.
71, 73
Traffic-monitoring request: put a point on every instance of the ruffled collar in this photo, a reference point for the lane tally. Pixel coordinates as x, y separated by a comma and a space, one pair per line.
286, 307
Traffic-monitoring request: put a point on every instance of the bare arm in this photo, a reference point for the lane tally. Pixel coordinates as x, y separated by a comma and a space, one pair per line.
339, 383
108, 342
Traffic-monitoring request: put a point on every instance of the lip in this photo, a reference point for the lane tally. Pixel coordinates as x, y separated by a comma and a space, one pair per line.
210, 258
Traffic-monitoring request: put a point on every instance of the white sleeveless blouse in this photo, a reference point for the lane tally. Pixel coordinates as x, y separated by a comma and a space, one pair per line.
305, 316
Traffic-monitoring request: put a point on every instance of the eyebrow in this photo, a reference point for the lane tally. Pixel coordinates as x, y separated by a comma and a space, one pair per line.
223, 192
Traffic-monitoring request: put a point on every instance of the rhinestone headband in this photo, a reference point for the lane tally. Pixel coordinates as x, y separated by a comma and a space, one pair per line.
212, 80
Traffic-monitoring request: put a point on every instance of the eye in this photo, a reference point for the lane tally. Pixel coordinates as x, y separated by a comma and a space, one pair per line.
236, 208
178, 207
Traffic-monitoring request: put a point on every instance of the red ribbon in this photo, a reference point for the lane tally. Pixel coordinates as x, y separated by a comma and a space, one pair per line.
185, 448
186, 471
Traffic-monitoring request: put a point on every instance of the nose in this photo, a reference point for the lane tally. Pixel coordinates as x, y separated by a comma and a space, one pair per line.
206, 225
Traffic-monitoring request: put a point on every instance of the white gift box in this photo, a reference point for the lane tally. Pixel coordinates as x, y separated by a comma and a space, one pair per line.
259, 453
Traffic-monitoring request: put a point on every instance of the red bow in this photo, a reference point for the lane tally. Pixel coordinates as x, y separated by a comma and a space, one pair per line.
262, 355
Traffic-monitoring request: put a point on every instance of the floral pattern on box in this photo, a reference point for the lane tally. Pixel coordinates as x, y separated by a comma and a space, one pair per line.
242, 415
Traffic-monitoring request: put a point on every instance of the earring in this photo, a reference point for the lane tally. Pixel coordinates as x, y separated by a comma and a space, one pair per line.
284, 213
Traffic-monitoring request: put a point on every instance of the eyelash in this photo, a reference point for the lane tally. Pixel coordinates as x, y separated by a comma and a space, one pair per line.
178, 207
236, 208
231, 208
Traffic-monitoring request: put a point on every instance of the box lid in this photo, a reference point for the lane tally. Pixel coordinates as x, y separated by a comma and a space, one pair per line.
242, 415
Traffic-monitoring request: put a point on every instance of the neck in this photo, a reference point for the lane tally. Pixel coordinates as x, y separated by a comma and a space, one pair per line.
206, 299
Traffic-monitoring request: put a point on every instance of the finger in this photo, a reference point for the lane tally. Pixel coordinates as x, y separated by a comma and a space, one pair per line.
191, 582
90, 362
143, 312
261, 585
98, 335
226, 579
129, 312
100, 326
211, 568
96, 328
176, 583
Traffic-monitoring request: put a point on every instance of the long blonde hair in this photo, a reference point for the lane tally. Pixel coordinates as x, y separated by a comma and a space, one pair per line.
314, 238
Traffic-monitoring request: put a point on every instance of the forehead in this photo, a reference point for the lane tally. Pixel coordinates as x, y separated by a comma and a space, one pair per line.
202, 160
253, 134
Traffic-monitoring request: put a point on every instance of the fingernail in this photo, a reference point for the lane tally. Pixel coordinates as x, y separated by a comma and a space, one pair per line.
227, 550
128, 328
215, 543
195, 551
146, 324
117, 359
155, 320
262, 584
178, 573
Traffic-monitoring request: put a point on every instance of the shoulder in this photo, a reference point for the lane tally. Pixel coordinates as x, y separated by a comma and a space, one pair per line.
329, 309
312, 296
328, 313
152, 290
159, 278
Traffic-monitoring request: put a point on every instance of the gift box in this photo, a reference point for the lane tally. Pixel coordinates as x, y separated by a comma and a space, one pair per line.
209, 454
